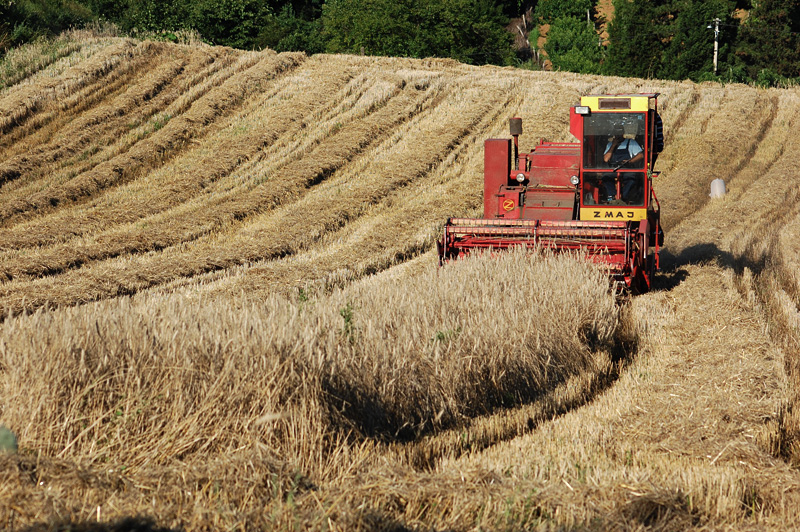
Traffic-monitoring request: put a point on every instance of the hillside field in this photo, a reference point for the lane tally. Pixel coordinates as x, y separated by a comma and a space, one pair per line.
220, 305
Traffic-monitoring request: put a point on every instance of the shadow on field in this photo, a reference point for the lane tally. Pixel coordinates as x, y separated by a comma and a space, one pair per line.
128, 524
659, 511
673, 272
506, 423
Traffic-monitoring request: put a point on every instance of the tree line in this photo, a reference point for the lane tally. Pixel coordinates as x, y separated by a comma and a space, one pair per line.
758, 40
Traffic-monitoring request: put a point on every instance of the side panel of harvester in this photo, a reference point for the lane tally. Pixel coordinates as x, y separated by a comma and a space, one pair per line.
540, 188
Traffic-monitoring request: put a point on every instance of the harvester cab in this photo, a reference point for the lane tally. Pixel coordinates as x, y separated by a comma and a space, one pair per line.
594, 196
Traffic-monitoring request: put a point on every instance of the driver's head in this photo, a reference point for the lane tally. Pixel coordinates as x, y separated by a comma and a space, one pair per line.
617, 131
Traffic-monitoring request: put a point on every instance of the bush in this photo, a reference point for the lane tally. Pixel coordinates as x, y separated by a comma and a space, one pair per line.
573, 45
471, 31
286, 32
548, 11
377, 27
24, 20
769, 78
235, 23
154, 15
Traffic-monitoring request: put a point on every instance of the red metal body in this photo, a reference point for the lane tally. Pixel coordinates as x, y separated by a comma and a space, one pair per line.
558, 196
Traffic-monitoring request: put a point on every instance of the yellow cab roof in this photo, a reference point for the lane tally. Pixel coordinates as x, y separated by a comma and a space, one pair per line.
620, 102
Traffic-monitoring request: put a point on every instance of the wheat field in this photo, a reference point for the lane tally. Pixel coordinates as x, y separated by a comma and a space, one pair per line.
221, 307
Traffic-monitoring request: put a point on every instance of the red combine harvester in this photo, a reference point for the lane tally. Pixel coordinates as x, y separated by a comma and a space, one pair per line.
594, 196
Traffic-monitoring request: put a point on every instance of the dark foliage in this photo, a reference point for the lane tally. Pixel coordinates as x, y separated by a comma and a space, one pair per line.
548, 11
637, 38
471, 31
24, 20
769, 40
572, 45
689, 53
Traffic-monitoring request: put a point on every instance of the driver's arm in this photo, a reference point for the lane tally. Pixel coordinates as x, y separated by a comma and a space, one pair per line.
636, 158
610, 151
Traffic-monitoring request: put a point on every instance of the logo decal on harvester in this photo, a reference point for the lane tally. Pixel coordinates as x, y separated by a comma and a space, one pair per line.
619, 215
509, 204
616, 215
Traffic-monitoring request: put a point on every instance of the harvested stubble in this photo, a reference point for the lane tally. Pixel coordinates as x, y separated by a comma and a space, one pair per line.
406, 156
37, 155
277, 117
165, 79
20, 102
764, 256
162, 143
717, 143
189, 87
345, 197
24, 61
234, 408
213, 169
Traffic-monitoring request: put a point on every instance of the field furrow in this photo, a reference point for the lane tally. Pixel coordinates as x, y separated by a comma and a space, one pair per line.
201, 74
35, 157
277, 234
43, 128
715, 142
198, 73
21, 102
200, 217
239, 153
159, 146
21, 63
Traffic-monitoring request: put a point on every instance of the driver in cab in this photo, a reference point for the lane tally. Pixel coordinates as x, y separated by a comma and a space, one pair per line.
621, 150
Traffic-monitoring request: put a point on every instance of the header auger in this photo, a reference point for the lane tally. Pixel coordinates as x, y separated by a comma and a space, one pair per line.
594, 196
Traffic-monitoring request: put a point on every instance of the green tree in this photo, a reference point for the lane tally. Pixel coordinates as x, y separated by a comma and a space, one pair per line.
287, 32
472, 31
151, 15
691, 48
573, 45
378, 27
548, 11
637, 37
769, 39
24, 20
111, 10
235, 23
515, 8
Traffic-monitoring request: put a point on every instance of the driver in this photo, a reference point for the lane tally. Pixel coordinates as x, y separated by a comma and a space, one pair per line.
621, 150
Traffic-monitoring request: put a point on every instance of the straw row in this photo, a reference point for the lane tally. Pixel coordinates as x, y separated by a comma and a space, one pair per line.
240, 142
409, 219
20, 63
94, 123
190, 223
160, 144
202, 73
19, 102
280, 232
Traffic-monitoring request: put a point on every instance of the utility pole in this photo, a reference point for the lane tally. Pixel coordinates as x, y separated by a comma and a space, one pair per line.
716, 22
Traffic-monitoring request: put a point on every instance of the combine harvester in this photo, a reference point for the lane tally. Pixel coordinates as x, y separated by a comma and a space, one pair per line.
594, 196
